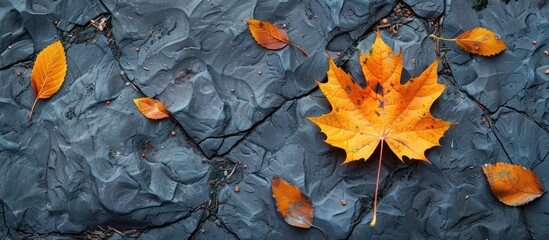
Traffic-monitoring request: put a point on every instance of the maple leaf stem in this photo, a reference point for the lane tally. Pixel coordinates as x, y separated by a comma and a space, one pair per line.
322, 230
32, 109
444, 39
300, 49
373, 223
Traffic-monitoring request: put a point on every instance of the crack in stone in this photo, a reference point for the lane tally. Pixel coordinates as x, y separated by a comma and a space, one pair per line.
259, 123
7, 234
527, 116
526, 225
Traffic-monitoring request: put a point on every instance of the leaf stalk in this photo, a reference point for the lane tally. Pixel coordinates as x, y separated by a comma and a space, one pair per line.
444, 39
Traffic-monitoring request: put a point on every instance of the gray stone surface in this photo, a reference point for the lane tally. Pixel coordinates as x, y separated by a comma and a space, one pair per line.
89, 162
427, 8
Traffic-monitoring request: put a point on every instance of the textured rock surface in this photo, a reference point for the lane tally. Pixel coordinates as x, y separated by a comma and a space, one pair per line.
89, 164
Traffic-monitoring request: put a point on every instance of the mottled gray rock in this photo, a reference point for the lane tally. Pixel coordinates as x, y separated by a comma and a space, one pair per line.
426, 8
179, 230
214, 230
66, 13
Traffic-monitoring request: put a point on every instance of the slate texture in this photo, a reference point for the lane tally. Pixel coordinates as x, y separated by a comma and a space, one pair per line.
90, 165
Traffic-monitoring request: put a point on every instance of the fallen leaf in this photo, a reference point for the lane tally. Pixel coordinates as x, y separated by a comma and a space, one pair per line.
292, 204
151, 108
479, 41
48, 73
269, 36
512, 184
383, 112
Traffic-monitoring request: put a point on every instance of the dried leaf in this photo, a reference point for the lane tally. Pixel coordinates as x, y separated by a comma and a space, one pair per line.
48, 73
512, 184
292, 204
385, 111
269, 36
481, 41
151, 108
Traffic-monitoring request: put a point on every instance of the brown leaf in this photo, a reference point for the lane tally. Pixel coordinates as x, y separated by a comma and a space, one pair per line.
481, 41
48, 73
512, 184
269, 36
151, 108
292, 204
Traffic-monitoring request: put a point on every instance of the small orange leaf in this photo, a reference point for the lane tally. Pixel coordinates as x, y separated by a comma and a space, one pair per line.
269, 36
151, 108
48, 73
512, 184
292, 204
481, 41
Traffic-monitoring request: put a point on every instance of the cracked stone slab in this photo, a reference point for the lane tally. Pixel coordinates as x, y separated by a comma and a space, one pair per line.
79, 162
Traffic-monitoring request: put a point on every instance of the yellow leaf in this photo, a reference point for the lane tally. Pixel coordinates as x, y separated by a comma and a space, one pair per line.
481, 41
384, 111
151, 108
48, 73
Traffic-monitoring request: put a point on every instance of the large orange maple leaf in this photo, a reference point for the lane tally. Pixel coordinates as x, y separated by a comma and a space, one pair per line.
384, 111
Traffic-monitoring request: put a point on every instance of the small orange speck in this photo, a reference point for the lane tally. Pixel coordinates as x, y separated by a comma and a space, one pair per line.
534, 42
483, 119
399, 10
343, 202
18, 73
237, 189
546, 71
408, 12
384, 21
546, 53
